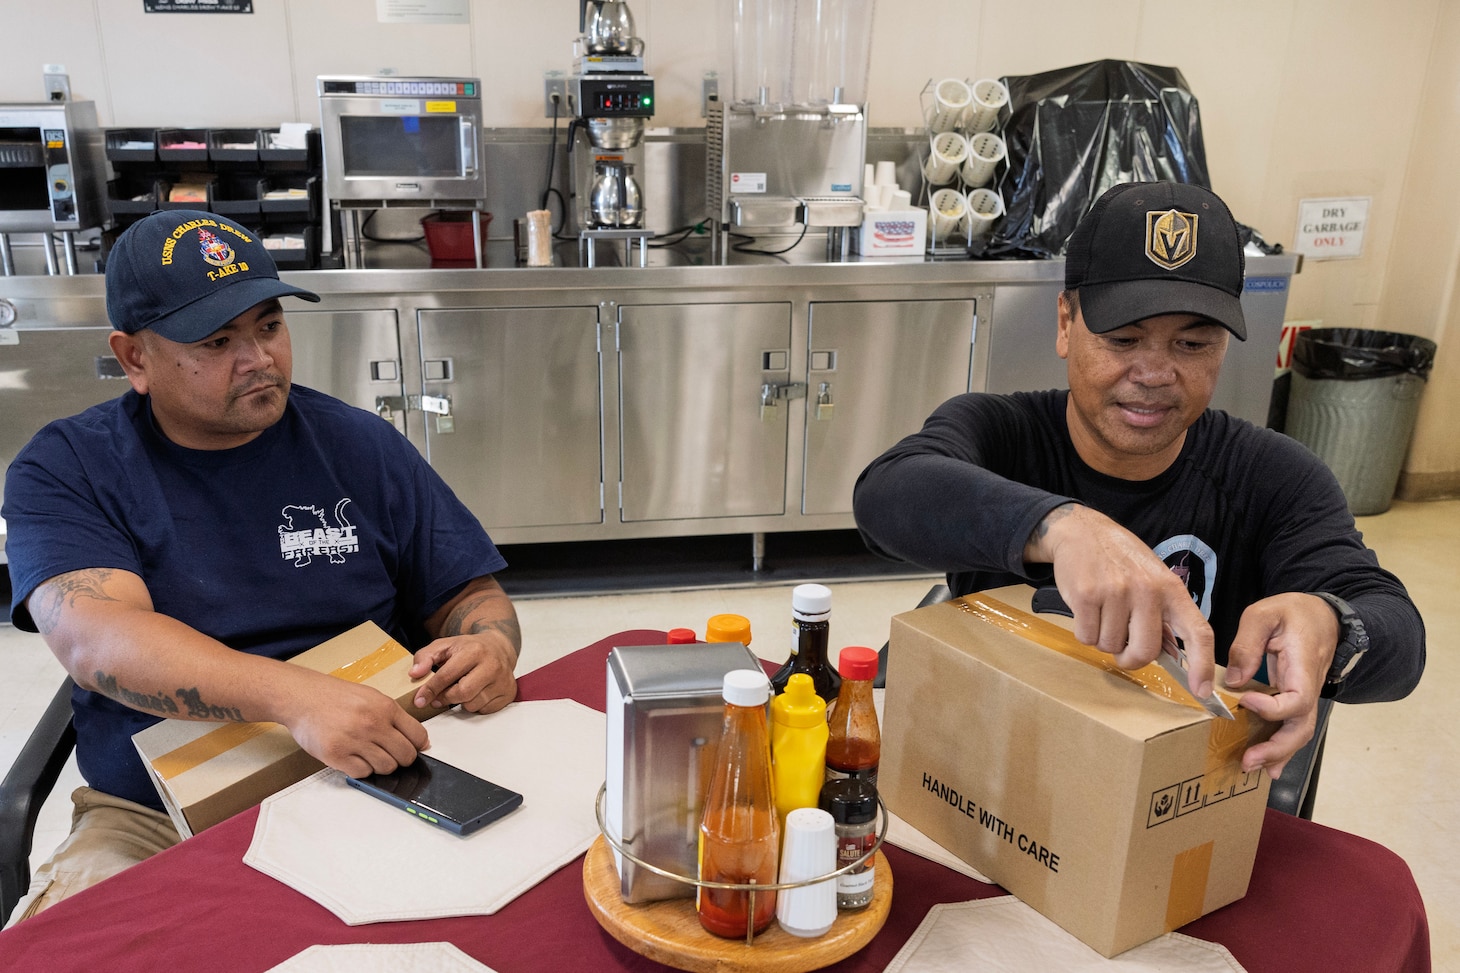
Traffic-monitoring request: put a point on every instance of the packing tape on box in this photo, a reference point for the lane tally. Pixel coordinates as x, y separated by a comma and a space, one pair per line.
230, 735
1226, 740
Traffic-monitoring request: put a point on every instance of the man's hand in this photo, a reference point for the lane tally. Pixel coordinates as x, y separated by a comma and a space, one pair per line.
1122, 595
473, 670
476, 647
1298, 633
352, 728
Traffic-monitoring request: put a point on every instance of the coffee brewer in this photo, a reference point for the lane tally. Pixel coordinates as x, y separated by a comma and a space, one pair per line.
610, 97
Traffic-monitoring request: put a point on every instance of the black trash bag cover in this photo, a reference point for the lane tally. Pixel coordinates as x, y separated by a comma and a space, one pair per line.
1073, 133
1355, 354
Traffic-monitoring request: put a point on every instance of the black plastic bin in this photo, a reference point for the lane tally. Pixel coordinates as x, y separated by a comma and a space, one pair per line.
1354, 400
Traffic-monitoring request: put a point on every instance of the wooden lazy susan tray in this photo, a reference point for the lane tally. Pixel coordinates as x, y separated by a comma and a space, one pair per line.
669, 932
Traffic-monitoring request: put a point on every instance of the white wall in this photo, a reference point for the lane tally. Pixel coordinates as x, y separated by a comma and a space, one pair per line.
1299, 98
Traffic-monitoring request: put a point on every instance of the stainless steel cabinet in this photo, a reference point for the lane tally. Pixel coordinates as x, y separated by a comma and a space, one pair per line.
875, 369
50, 374
352, 355
521, 442
695, 441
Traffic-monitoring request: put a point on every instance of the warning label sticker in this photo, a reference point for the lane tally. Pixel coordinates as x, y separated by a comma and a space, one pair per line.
1178, 800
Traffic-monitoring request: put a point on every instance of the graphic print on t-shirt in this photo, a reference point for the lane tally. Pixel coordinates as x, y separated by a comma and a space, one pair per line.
306, 533
1195, 563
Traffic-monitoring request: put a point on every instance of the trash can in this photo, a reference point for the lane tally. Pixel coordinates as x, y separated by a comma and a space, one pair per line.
1354, 400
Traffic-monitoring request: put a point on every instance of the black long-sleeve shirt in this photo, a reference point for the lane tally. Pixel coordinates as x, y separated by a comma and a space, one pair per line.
1243, 513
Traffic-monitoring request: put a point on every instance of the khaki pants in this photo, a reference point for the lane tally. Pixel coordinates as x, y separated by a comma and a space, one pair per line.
107, 836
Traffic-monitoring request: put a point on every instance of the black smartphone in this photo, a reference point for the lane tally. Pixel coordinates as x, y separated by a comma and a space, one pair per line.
441, 794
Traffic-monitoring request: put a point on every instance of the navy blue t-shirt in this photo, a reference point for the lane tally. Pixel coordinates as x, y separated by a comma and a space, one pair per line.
328, 518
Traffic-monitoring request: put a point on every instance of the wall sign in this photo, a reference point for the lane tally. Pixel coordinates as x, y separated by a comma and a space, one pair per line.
423, 11
197, 6
1331, 228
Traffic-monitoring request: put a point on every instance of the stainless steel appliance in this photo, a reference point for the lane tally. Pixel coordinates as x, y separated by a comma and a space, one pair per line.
610, 98
394, 142
53, 174
787, 142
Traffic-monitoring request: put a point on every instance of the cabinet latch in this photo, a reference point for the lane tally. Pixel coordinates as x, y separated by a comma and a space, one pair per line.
386, 406
771, 393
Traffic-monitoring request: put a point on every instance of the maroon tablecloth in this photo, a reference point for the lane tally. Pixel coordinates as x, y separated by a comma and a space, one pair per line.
1319, 900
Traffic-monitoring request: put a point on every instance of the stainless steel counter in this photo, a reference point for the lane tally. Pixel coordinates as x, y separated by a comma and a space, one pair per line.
683, 398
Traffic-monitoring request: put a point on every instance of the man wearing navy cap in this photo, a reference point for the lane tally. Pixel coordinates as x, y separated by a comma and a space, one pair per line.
1154, 515
175, 544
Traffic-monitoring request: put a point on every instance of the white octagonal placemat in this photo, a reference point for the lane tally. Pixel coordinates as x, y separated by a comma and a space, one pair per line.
366, 861
382, 958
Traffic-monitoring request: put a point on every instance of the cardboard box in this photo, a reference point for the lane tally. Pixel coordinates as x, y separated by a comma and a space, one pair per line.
207, 772
1115, 811
893, 233
665, 710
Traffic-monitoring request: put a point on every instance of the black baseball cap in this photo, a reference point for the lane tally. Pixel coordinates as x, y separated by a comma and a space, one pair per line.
1149, 248
185, 273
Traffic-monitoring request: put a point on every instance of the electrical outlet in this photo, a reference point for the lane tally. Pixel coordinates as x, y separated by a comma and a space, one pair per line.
554, 85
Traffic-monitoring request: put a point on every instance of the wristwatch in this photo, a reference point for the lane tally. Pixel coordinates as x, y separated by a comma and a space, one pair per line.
1353, 642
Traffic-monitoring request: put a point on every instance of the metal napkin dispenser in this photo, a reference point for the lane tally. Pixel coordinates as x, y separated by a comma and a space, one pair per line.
665, 708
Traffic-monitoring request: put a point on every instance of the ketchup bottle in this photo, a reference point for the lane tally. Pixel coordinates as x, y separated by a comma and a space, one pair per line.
739, 834
855, 744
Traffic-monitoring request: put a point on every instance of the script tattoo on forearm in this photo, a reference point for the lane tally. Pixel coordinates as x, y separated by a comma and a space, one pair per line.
163, 703
64, 591
461, 622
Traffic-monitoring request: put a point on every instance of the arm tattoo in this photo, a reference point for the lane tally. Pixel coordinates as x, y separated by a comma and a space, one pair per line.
1058, 513
163, 703
64, 591
461, 622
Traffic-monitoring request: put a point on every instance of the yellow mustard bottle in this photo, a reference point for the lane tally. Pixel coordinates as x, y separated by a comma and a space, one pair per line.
798, 746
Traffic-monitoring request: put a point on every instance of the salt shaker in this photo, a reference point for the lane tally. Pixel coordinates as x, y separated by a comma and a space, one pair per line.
810, 850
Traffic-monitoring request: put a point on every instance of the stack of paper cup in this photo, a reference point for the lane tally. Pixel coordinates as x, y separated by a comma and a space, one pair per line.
810, 850
949, 211
984, 207
951, 100
987, 98
947, 152
880, 190
984, 152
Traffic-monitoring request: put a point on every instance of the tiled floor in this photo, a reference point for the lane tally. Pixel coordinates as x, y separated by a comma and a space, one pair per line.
1391, 772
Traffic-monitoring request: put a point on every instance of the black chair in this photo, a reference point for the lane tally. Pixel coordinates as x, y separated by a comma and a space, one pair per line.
25, 788
1292, 793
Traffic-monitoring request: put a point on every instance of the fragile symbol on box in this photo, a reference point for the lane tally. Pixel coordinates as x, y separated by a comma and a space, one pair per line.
1172, 802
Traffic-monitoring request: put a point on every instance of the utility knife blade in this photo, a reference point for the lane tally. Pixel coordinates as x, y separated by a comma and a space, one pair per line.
1177, 669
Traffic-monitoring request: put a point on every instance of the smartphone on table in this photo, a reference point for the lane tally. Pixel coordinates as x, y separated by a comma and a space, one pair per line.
441, 794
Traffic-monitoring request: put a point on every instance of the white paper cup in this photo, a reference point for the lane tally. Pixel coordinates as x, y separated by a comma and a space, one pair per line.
901, 199
810, 850
946, 214
984, 152
989, 96
947, 150
951, 99
984, 209
886, 174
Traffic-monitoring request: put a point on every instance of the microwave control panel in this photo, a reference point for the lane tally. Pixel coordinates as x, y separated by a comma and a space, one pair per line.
402, 87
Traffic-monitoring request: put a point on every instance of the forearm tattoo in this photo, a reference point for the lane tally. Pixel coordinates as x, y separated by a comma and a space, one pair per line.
1058, 513
163, 703
64, 591
461, 622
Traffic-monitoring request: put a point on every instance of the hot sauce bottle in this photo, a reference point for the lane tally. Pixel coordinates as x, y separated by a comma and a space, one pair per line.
739, 833
854, 746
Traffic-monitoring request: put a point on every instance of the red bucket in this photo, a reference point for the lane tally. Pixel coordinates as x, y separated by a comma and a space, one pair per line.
448, 235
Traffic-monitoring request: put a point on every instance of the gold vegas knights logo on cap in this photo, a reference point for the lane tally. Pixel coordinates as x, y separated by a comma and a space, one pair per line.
1170, 237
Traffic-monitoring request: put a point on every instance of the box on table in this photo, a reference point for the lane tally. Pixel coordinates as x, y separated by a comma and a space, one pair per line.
893, 233
665, 710
207, 772
1116, 812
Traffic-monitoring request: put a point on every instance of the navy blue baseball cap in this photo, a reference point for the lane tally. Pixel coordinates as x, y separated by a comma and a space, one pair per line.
1151, 248
184, 274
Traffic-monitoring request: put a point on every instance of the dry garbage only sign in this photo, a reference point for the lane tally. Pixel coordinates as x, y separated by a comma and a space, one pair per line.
1331, 228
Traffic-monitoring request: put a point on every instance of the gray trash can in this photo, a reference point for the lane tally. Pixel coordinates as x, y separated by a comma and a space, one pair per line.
1354, 400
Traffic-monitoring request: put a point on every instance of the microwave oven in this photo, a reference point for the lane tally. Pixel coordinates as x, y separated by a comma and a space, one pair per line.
390, 141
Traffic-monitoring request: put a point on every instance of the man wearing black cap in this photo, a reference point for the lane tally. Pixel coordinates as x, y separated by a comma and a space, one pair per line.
1154, 515
174, 545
